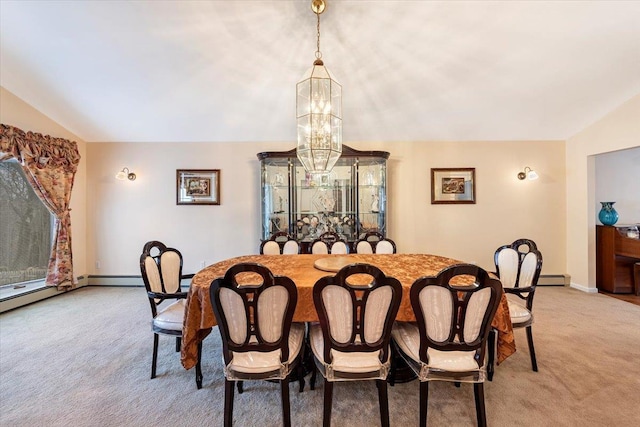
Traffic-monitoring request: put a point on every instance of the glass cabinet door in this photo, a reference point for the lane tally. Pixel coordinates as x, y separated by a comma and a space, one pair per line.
325, 202
372, 196
275, 197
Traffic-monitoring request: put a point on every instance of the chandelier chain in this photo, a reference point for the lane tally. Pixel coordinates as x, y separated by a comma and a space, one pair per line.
318, 53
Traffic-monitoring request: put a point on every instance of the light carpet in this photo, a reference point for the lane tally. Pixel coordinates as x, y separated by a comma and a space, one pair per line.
84, 358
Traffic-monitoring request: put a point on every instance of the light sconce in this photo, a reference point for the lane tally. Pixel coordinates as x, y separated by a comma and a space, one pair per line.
319, 112
125, 174
528, 173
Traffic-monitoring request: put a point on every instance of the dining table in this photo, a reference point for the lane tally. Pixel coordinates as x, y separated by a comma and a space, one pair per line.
305, 270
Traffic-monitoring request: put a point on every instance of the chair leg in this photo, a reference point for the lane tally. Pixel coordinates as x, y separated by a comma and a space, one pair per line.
199, 367
532, 351
478, 392
178, 343
383, 401
424, 402
240, 385
491, 344
393, 368
228, 402
155, 356
312, 380
328, 397
286, 410
300, 371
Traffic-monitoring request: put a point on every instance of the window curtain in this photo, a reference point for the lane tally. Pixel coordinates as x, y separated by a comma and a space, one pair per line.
50, 165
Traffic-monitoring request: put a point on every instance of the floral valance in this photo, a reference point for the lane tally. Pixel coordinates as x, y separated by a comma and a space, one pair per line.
42, 149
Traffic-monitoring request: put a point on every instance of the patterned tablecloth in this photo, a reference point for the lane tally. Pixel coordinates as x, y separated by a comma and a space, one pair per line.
199, 317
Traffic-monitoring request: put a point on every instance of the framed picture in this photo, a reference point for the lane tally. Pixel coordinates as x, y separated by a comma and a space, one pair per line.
453, 185
198, 186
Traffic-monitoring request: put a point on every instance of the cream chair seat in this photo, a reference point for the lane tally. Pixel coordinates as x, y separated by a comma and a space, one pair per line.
519, 313
407, 336
256, 362
171, 317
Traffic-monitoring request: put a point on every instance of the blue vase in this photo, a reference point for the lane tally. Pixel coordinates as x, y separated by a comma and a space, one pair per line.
608, 215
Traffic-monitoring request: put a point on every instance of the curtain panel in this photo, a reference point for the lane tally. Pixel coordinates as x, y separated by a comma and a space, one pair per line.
50, 165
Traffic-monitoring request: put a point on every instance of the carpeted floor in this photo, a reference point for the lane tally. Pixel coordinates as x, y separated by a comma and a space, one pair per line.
83, 359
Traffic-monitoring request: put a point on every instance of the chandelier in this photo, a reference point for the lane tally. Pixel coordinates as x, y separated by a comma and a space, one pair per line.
319, 112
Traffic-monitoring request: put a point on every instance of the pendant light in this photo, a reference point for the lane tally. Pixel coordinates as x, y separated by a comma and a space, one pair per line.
319, 112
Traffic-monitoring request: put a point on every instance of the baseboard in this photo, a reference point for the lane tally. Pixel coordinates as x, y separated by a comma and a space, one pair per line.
584, 288
554, 280
125, 281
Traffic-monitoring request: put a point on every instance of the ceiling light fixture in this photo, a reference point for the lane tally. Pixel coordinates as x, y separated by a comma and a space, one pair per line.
319, 112
528, 173
125, 174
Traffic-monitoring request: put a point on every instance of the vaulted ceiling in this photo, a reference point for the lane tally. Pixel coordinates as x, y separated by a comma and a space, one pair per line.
165, 71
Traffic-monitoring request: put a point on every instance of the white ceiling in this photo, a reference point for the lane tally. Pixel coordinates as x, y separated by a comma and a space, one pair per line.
163, 71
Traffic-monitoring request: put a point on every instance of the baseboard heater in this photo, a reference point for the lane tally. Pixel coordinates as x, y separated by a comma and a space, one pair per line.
554, 280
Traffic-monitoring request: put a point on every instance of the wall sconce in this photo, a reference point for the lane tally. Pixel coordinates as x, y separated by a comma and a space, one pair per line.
125, 174
528, 173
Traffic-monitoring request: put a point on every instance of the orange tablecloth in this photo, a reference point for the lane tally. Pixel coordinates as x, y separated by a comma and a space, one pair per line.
199, 318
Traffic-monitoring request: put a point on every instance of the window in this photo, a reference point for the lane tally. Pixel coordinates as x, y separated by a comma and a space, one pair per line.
26, 228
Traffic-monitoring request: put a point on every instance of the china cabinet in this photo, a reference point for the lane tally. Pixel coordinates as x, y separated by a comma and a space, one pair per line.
351, 200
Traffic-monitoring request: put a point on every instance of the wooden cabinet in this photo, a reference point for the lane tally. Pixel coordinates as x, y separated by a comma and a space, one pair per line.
616, 259
351, 200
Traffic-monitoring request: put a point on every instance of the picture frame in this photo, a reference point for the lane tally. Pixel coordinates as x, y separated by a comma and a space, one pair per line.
198, 186
453, 186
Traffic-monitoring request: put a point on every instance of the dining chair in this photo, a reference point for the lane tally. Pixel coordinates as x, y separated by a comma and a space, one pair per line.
280, 243
161, 269
375, 243
448, 340
329, 243
356, 309
518, 267
254, 310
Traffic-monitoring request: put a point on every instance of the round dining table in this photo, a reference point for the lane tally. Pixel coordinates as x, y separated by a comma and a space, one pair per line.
305, 270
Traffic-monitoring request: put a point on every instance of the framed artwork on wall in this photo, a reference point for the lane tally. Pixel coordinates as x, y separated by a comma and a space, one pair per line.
453, 185
198, 186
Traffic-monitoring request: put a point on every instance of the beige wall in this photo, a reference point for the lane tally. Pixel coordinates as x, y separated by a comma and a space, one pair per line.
123, 214
618, 130
559, 210
618, 180
15, 112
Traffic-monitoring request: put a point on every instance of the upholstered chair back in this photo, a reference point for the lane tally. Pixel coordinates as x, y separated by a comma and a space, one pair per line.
161, 269
363, 247
279, 243
455, 317
254, 311
356, 309
375, 243
329, 243
270, 248
291, 247
385, 246
519, 264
